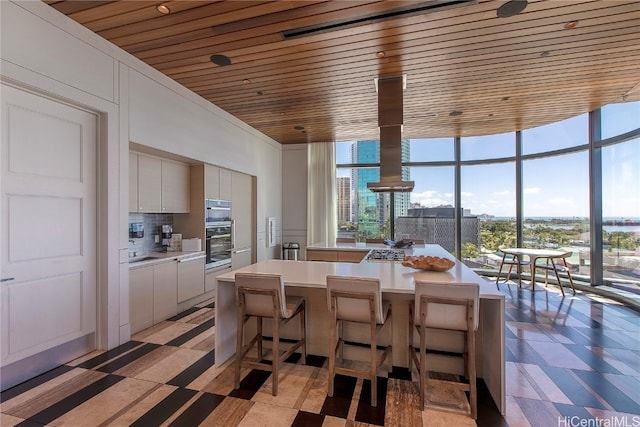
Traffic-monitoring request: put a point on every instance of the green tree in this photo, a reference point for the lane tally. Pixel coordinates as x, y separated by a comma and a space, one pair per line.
470, 250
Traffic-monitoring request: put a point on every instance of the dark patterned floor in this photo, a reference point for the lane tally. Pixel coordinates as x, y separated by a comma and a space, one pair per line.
569, 361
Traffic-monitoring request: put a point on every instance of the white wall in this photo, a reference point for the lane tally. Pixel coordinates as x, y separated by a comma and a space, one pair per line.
45, 52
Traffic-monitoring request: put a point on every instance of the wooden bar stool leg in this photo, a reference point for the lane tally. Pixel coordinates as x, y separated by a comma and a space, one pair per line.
303, 335
259, 323
332, 349
276, 355
239, 341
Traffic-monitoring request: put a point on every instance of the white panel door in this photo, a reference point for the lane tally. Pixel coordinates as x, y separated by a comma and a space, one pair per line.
48, 230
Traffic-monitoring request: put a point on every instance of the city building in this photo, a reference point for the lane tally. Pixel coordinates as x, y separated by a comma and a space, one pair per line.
437, 225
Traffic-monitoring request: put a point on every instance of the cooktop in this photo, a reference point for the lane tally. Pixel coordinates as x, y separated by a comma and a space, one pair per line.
385, 255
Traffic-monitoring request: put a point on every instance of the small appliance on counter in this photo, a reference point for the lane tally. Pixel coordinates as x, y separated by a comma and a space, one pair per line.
136, 230
192, 245
167, 231
175, 243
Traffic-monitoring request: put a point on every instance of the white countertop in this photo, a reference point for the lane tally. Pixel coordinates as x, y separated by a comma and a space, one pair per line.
160, 257
394, 277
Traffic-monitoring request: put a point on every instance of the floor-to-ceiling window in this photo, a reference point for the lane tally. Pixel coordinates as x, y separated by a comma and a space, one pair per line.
621, 196
552, 194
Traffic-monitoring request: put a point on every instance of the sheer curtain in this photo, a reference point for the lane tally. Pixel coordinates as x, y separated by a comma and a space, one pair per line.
321, 193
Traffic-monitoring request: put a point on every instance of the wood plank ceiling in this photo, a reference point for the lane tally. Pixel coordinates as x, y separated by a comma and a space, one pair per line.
469, 72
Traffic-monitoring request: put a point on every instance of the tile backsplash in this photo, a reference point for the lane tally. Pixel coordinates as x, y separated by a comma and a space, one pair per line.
152, 224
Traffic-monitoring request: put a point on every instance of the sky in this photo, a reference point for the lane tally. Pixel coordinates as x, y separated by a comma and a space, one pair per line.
556, 186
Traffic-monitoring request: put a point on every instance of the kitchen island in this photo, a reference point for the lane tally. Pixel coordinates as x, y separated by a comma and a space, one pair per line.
308, 279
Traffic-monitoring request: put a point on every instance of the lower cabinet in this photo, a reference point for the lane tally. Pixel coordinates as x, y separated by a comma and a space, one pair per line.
152, 294
140, 301
165, 291
240, 258
190, 278
210, 277
336, 255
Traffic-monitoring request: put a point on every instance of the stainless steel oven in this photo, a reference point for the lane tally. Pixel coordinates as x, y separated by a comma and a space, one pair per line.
218, 244
218, 232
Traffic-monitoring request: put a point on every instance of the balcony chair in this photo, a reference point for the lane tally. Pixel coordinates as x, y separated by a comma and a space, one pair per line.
260, 296
511, 262
359, 300
561, 265
449, 307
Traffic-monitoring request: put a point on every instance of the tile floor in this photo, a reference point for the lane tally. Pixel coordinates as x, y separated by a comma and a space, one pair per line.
569, 361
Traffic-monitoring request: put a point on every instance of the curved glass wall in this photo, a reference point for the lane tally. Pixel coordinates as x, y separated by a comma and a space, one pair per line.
547, 189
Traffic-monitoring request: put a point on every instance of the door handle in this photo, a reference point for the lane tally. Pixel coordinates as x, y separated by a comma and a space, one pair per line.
6, 279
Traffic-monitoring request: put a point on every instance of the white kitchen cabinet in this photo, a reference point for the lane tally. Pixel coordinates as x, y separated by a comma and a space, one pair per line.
175, 187
210, 277
217, 183
157, 185
241, 258
212, 182
140, 298
165, 291
149, 184
225, 184
242, 209
190, 277
133, 182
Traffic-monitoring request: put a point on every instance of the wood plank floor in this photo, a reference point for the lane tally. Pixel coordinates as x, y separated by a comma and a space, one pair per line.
570, 360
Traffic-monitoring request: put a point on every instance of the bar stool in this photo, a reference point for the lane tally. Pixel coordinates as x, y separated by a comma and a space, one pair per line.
450, 307
359, 300
260, 296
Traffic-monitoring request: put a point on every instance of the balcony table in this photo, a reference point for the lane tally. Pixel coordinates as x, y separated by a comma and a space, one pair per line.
550, 255
308, 279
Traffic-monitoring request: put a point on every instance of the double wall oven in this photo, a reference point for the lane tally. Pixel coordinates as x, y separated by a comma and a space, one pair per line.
218, 232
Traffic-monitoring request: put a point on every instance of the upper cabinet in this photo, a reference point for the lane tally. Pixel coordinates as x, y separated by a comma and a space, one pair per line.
157, 185
175, 187
149, 184
218, 183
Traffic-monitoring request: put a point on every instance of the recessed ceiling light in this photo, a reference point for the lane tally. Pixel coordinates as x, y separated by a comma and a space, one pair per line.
163, 9
221, 60
455, 113
511, 8
246, 81
490, 114
505, 98
570, 25
381, 54
298, 127
544, 54
259, 93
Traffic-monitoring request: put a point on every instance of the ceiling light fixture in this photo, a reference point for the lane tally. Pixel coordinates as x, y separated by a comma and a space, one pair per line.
511, 8
570, 25
298, 127
544, 54
221, 60
246, 81
455, 113
381, 54
163, 9
259, 93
